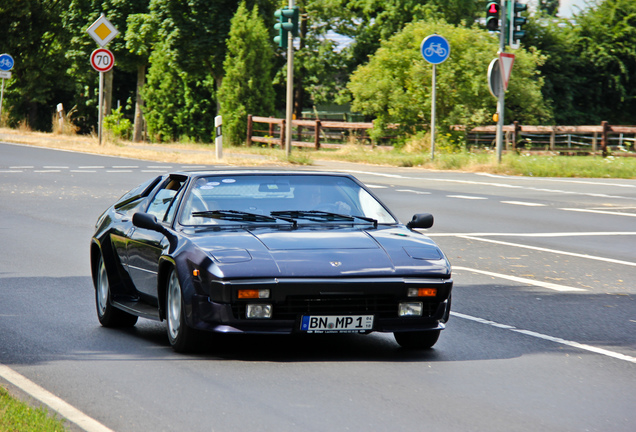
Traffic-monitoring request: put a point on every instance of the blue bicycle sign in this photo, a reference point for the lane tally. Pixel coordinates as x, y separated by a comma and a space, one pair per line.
435, 49
6, 62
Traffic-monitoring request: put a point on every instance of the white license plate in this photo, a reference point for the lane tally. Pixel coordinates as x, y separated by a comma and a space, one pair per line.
336, 323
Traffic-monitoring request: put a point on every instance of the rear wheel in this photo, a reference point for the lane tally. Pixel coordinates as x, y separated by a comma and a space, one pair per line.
108, 315
181, 337
417, 339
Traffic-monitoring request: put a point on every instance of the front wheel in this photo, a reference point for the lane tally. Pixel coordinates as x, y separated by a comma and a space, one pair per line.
181, 337
107, 314
417, 339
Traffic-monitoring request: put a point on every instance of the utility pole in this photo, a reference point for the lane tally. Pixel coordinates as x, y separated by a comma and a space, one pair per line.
290, 88
287, 27
501, 95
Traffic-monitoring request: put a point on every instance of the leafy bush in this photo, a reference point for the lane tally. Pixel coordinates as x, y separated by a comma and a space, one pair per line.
118, 126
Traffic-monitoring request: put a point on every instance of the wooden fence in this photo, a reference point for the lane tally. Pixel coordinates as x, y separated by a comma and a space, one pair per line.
565, 139
317, 130
594, 139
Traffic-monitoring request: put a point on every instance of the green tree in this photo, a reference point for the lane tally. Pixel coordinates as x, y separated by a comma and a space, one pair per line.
247, 86
394, 87
178, 105
33, 34
607, 41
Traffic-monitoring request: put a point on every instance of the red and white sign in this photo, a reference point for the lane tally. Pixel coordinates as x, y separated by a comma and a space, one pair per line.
505, 63
102, 60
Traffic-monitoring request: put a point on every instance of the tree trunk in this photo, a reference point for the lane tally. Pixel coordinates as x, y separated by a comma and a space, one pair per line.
108, 92
139, 104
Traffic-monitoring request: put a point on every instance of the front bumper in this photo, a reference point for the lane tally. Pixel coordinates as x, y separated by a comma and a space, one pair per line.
293, 299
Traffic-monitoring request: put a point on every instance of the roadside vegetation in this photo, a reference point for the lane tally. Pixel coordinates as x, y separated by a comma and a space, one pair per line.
182, 63
18, 416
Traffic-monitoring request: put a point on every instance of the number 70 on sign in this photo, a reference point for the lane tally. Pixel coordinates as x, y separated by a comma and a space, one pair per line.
102, 60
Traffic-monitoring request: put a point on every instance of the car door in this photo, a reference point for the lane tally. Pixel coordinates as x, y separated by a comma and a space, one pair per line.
144, 247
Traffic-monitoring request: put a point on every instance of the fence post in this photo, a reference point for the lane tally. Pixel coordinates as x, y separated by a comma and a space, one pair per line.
250, 130
516, 133
317, 135
594, 142
605, 128
282, 135
552, 138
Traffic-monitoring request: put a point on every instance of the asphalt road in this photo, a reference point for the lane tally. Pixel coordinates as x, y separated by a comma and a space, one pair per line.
542, 337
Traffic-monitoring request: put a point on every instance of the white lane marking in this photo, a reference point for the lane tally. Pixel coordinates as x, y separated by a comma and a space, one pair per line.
54, 167
573, 344
599, 212
563, 234
534, 179
472, 182
548, 285
124, 166
413, 191
524, 203
160, 166
66, 410
371, 186
47, 171
22, 167
92, 167
560, 252
119, 171
11, 171
466, 197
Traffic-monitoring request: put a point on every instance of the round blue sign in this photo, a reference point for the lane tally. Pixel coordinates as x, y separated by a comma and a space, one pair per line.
435, 49
6, 62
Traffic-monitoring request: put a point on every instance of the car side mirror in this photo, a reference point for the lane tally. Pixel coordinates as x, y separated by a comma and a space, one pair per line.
421, 220
147, 221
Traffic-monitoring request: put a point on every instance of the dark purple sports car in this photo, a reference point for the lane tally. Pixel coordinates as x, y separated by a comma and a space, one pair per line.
267, 252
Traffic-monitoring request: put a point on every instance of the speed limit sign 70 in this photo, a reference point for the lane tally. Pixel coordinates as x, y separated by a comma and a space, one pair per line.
102, 60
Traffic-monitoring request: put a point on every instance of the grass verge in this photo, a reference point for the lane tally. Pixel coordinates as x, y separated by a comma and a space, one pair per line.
511, 164
18, 416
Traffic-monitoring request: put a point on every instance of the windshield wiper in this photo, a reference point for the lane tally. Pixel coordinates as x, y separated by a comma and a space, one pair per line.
321, 216
240, 216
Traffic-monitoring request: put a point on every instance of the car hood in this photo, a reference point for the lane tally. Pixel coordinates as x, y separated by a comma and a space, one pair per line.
339, 252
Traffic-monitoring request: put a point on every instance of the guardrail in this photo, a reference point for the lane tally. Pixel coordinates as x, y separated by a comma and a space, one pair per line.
317, 129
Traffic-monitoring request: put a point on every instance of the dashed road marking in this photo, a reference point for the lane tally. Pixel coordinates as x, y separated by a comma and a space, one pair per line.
548, 285
561, 341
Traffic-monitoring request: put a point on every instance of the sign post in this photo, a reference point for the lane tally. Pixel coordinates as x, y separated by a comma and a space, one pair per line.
102, 60
435, 50
6, 64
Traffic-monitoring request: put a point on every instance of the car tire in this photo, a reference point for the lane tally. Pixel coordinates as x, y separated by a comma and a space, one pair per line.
182, 337
107, 314
417, 339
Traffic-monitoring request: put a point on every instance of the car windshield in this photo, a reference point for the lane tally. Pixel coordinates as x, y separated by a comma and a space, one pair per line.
215, 200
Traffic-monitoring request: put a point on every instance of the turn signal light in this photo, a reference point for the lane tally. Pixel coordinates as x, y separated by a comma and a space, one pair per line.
253, 293
422, 292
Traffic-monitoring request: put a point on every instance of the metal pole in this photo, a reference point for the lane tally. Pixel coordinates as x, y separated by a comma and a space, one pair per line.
101, 107
1, 98
501, 98
290, 88
433, 113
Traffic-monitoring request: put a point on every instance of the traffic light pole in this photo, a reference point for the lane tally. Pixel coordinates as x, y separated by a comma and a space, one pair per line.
501, 95
290, 88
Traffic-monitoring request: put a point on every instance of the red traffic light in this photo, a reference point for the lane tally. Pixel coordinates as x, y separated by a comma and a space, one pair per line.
492, 16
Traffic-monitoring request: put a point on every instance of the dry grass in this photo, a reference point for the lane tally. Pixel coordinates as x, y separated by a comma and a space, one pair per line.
200, 154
